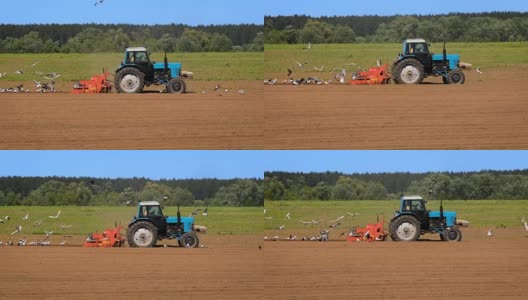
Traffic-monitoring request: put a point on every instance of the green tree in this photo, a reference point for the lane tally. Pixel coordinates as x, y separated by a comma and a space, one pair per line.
344, 34
273, 189
220, 43
322, 191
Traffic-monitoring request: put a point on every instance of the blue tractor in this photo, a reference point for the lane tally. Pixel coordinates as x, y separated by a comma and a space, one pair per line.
150, 225
137, 71
413, 219
416, 62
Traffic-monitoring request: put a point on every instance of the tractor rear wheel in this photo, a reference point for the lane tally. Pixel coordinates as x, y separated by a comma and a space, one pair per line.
453, 235
456, 76
129, 80
405, 228
176, 86
409, 71
190, 240
142, 235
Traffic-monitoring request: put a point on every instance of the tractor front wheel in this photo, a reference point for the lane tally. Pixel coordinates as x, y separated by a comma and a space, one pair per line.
130, 80
190, 240
405, 228
453, 235
176, 86
142, 235
409, 71
456, 76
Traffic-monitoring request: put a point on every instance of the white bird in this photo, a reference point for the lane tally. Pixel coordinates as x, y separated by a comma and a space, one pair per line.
26, 217
275, 238
281, 227
217, 87
490, 233
65, 226
63, 243
523, 220
195, 212
38, 223
265, 210
18, 229
378, 63
309, 46
352, 214
336, 219
242, 92
3, 74
319, 69
7, 218
288, 216
478, 70
335, 225
305, 223
315, 222
205, 213
52, 76
48, 233
525, 225
57, 216
35, 64
299, 64
19, 72
98, 2
128, 202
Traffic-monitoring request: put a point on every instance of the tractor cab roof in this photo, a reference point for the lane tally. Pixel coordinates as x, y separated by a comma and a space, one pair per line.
136, 49
414, 197
149, 203
414, 41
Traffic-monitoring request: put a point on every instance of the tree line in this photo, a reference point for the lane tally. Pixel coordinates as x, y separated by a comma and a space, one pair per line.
454, 27
481, 185
89, 38
86, 191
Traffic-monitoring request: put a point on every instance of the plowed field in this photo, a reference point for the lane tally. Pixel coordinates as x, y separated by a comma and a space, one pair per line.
197, 120
490, 111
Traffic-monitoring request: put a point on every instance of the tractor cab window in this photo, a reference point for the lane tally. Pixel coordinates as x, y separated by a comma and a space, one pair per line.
417, 205
420, 48
406, 205
141, 57
130, 57
154, 211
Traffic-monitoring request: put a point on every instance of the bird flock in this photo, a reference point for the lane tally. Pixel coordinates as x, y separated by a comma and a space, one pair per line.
46, 240
41, 85
323, 228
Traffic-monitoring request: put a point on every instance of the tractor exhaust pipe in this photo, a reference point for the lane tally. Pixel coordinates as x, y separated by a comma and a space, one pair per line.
167, 65
178, 222
441, 211
444, 55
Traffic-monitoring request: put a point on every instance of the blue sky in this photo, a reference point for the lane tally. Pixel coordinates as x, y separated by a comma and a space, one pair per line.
247, 164
196, 12
317, 8
151, 164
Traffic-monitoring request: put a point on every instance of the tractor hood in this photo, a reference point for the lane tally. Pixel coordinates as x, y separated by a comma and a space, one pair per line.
187, 222
453, 59
173, 67
449, 215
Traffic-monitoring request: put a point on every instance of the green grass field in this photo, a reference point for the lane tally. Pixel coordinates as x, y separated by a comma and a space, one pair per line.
481, 213
277, 58
206, 66
84, 220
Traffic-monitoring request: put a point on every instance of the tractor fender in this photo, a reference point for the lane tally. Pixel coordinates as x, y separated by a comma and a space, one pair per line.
135, 220
127, 66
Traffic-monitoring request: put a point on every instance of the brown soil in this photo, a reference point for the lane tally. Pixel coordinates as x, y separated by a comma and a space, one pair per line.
228, 267
490, 111
476, 268
214, 120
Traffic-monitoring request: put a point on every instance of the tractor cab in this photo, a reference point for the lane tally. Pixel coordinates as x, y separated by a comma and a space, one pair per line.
419, 49
152, 211
415, 205
139, 57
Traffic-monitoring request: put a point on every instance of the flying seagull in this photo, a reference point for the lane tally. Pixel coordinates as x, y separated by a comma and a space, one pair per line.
57, 216
490, 233
336, 219
352, 214
281, 227
288, 216
205, 211
309, 46
38, 223
35, 64
319, 69
195, 212
26, 217
299, 64
65, 226
478, 70
18, 229
98, 2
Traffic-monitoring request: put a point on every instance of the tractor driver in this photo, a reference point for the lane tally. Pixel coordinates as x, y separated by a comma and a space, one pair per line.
154, 211
419, 48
